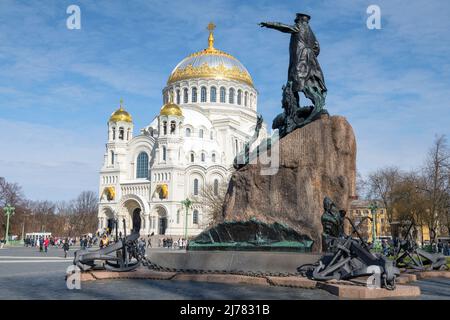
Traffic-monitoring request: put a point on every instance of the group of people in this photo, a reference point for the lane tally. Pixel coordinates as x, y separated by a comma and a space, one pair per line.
88, 241
439, 247
169, 243
53, 241
443, 247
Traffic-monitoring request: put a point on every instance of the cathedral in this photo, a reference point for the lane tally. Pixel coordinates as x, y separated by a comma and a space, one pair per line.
209, 112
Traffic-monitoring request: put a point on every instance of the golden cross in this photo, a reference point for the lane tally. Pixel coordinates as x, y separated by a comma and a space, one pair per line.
211, 27
121, 103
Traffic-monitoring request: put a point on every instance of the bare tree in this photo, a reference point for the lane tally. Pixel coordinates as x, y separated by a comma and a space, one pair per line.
361, 185
408, 203
381, 185
435, 185
212, 199
85, 209
11, 193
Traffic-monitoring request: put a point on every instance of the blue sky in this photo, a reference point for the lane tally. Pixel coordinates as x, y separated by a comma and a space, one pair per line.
59, 86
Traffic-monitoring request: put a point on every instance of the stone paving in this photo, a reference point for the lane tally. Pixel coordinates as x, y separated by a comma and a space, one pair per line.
26, 273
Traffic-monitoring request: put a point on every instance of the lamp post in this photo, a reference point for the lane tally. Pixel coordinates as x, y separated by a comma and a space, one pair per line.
9, 211
187, 204
373, 209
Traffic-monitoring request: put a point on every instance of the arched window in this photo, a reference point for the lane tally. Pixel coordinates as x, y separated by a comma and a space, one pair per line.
178, 216
211, 135
121, 133
213, 157
195, 187
192, 157
222, 94
231, 96
173, 127
165, 127
178, 97
195, 217
216, 187
194, 94
185, 95
112, 157
164, 153
213, 94
203, 94
142, 165
188, 132
203, 157
245, 98
114, 133
239, 97
200, 133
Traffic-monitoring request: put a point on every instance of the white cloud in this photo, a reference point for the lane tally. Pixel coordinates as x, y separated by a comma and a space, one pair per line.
49, 163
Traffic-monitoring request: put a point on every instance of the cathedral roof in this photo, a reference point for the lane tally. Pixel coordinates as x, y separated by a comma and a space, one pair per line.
210, 63
120, 115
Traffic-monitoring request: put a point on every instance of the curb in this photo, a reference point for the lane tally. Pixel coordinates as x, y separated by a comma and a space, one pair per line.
342, 289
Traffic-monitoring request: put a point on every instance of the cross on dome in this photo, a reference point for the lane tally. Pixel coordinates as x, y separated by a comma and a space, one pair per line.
211, 27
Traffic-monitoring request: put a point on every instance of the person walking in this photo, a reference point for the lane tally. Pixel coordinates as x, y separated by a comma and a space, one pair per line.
149, 243
41, 244
66, 247
46, 243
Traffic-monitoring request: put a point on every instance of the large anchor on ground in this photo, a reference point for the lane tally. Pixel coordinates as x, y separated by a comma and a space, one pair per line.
408, 255
125, 254
348, 258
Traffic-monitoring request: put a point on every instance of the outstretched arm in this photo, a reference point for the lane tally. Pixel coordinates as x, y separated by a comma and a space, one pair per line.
279, 26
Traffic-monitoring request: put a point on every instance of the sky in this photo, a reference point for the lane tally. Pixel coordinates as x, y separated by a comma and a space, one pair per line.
58, 87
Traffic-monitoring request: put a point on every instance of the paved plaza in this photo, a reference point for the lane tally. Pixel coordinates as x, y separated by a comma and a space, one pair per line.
26, 273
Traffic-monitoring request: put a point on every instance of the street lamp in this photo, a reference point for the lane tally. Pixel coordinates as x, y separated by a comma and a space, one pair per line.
373, 209
9, 211
187, 204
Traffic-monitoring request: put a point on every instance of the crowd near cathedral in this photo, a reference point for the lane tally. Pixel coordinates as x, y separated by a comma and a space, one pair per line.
208, 113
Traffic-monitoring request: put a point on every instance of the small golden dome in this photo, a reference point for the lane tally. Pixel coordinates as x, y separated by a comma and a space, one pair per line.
120, 115
171, 109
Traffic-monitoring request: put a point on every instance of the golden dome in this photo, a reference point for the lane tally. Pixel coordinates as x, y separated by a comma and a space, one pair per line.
210, 63
171, 109
120, 115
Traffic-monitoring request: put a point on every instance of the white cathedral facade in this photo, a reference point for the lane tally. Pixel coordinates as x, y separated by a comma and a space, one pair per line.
208, 114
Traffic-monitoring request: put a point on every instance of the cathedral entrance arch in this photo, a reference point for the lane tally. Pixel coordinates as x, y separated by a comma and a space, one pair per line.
136, 220
106, 220
133, 209
162, 220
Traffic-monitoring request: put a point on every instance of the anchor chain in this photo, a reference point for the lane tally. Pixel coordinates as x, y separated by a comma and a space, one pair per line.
156, 267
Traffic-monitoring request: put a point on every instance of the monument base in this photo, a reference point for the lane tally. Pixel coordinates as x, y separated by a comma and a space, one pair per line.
315, 161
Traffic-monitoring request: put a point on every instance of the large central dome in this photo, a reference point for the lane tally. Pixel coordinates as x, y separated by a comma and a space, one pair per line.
210, 63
